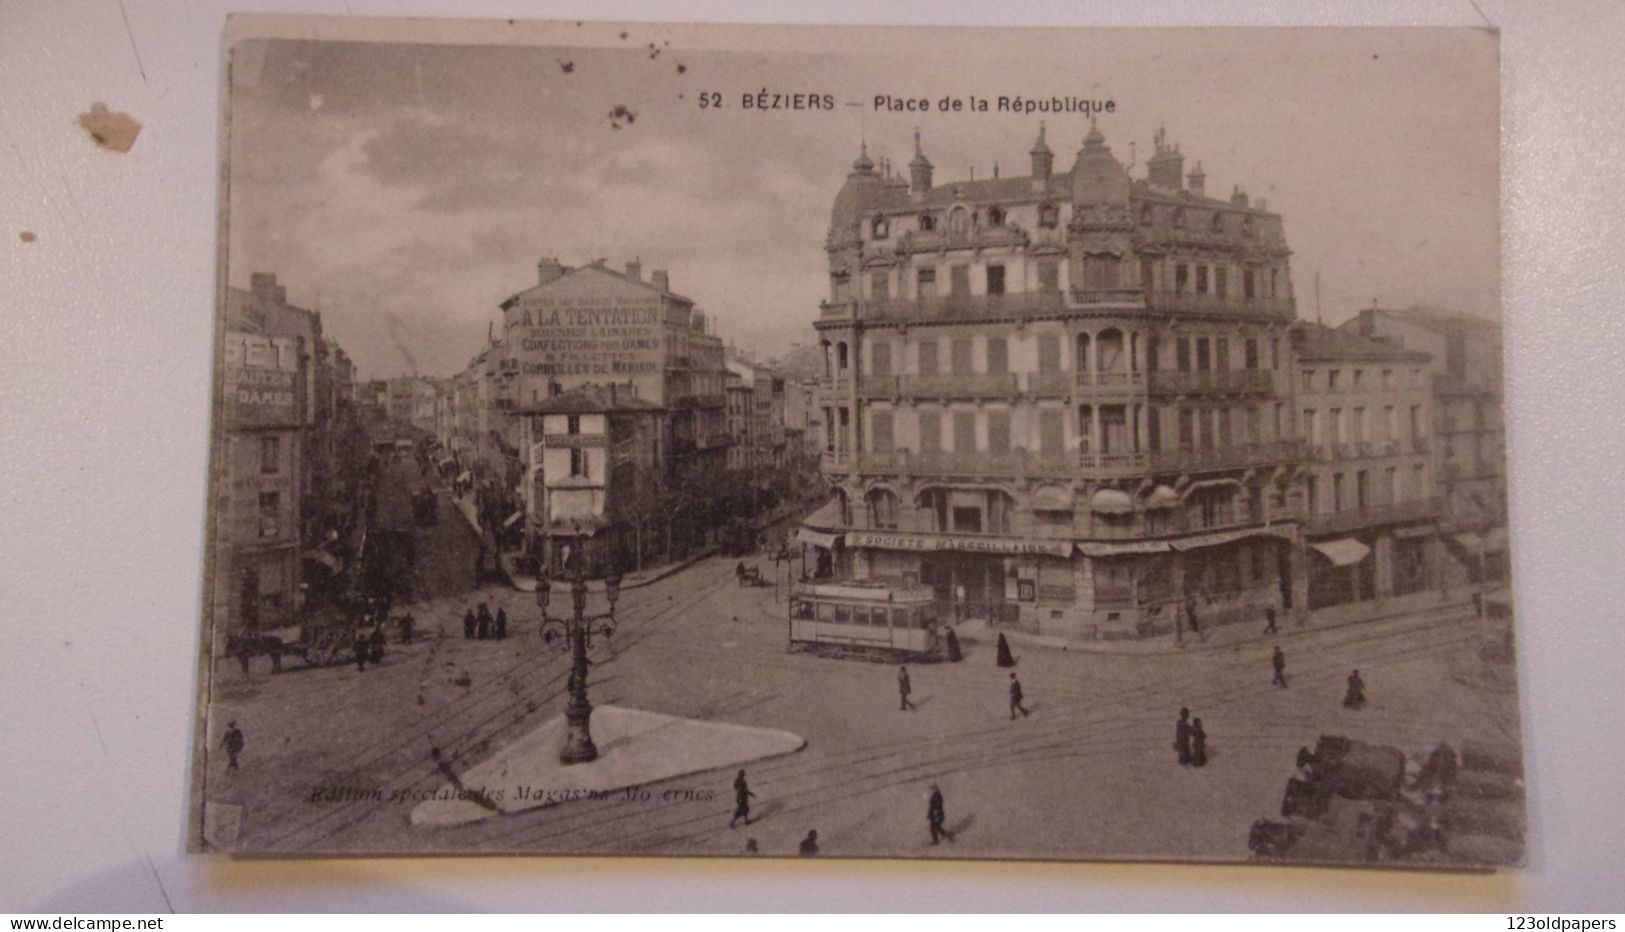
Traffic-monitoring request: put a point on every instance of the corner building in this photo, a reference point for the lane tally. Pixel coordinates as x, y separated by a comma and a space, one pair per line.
1061, 400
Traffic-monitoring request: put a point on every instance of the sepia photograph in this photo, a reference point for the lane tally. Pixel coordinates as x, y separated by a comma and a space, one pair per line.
859, 442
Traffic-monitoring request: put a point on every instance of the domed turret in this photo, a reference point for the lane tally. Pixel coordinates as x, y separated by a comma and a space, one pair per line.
858, 195
1043, 158
1097, 176
919, 170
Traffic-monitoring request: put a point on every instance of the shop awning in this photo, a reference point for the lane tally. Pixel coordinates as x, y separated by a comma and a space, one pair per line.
1111, 502
1052, 498
1162, 497
1216, 538
1121, 548
1345, 551
828, 516
823, 539
1471, 542
513, 518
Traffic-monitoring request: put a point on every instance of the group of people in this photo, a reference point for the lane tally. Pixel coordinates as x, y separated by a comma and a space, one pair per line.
1190, 740
369, 647
936, 817
483, 626
1002, 656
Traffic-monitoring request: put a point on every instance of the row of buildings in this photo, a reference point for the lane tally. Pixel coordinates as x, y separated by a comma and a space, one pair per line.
1084, 402
606, 416
287, 461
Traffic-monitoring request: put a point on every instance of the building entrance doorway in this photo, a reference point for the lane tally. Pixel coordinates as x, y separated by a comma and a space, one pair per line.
966, 586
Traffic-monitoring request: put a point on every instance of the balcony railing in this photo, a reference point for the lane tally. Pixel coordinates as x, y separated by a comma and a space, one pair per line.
1186, 302
964, 307
1230, 457
1167, 381
1115, 380
1350, 519
1051, 384
958, 385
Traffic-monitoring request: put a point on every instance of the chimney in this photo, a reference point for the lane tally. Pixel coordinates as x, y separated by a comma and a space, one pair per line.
548, 271
1198, 181
1166, 169
1238, 197
660, 279
262, 285
634, 270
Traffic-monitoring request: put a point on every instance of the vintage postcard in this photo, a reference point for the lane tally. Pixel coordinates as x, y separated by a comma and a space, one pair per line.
859, 442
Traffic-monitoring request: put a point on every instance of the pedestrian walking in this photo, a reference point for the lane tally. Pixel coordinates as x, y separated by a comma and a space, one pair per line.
1003, 655
809, 845
375, 645
233, 744
1198, 744
1015, 699
1182, 737
1191, 619
903, 689
954, 654
483, 630
468, 625
362, 649
742, 798
1278, 661
1355, 697
936, 816
1269, 620
502, 624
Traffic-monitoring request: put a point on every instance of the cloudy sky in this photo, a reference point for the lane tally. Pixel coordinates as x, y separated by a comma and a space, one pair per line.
407, 189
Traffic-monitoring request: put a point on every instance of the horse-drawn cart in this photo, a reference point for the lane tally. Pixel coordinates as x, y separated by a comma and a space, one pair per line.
319, 643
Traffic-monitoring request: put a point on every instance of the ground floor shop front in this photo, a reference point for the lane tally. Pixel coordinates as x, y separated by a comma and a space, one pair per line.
1104, 590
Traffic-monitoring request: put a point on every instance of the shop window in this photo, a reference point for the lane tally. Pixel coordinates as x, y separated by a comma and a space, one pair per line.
967, 519
995, 216
927, 223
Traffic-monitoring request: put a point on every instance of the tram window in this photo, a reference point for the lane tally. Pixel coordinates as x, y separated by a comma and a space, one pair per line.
843, 614
803, 609
825, 611
899, 617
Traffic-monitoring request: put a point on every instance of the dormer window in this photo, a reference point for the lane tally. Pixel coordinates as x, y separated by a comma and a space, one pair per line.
995, 216
927, 223
879, 228
1049, 216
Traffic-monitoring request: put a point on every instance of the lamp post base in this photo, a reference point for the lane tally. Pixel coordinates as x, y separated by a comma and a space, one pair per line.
578, 747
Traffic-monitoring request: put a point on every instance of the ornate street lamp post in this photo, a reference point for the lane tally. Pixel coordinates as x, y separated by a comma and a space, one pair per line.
578, 632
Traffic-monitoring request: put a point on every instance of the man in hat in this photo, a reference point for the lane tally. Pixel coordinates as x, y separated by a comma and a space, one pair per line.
809, 845
1269, 619
1015, 699
937, 816
483, 630
233, 744
362, 648
468, 625
742, 798
1278, 661
903, 689
502, 624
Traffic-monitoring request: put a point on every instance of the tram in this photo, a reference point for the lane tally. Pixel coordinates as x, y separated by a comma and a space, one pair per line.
869, 619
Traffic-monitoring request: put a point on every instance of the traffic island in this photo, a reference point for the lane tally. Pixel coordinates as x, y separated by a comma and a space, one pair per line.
635, 748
